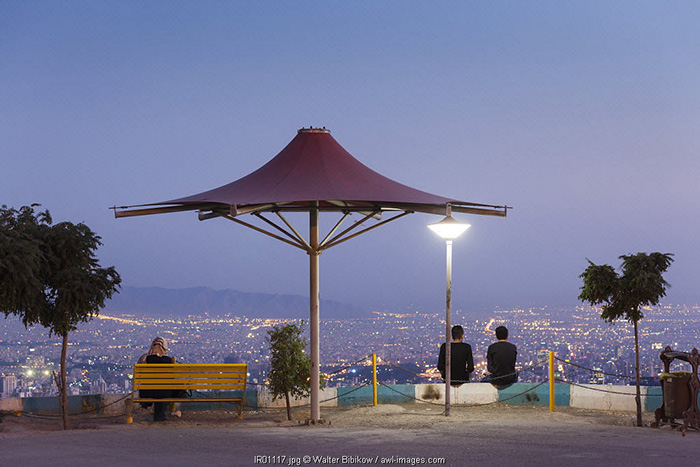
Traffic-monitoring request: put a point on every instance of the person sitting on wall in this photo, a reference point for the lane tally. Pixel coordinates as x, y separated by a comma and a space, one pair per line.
500, 361
461, 359
158, 353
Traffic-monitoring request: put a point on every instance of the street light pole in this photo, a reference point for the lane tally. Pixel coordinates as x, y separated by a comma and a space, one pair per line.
448, 329
448, 229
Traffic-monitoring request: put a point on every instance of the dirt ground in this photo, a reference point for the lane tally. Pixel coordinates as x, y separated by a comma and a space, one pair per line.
390, 416
484, 436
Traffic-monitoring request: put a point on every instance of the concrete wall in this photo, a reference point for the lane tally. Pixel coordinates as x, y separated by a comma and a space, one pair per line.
389, 394
264, 399
654, 398
93, 403
465, 394
591, 396
534, 394
586, 396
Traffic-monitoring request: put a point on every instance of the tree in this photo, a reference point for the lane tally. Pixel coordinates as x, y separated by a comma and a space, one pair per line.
290, 366
622, 296
49, 276
22, 261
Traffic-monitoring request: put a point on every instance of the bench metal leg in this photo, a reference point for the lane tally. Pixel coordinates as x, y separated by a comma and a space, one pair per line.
128, 403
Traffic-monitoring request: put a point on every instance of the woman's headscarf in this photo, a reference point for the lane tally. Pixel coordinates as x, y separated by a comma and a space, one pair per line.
158, 347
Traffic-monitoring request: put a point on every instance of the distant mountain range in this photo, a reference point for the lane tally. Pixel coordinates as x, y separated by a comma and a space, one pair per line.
157, 301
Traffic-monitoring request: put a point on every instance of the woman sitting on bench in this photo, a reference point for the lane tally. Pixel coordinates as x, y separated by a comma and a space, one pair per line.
158, 353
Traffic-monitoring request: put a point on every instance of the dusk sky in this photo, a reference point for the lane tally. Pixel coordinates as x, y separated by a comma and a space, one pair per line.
584, 116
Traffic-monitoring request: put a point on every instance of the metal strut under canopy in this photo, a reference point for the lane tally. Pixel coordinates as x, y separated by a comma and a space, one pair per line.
294, 238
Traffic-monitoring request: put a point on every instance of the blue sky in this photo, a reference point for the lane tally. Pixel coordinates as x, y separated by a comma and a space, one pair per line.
582, 115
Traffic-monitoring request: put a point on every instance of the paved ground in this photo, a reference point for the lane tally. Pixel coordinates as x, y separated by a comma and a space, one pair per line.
384, 435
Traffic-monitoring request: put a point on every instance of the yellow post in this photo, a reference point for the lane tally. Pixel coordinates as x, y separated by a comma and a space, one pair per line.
551, 381
374, 378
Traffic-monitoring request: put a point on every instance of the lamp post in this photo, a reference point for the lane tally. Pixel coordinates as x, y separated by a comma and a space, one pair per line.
448, 229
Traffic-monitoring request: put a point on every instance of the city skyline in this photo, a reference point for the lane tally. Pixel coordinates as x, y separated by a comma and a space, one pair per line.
580, 116
103, 351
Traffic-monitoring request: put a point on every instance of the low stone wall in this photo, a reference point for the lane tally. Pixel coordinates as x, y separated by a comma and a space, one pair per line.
264, 399
465, 394
93, 403
585, 396
484, 393
607, 397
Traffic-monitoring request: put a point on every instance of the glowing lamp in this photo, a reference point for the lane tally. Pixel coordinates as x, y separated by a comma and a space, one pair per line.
449, 228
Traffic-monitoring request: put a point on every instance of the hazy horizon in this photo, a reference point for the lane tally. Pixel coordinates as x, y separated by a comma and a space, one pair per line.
154, 301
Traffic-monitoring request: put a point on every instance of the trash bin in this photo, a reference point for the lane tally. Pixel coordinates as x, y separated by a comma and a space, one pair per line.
676, 390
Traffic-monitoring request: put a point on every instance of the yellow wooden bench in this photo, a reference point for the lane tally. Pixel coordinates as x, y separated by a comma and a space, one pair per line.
185, 377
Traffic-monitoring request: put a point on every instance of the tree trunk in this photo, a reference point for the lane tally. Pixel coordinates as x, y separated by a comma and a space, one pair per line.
289, 406
62, 390
638, 396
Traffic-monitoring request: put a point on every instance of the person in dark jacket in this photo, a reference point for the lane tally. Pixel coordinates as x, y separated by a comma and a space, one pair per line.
461, 359
500, 361
158, 353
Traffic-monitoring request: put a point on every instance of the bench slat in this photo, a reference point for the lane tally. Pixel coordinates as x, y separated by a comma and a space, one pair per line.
189, 377
186, 380
193, 375
198, 366
189, 370
194, 365
203, 399
154, 369
191, 386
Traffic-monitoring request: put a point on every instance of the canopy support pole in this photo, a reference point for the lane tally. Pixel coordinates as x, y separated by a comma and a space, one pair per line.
314, 313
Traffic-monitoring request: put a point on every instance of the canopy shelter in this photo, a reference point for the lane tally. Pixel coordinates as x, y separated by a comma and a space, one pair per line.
313, 174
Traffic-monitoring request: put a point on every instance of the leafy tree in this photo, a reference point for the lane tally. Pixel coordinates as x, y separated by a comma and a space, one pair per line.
49, 276
290, 366
622, 296
22, 261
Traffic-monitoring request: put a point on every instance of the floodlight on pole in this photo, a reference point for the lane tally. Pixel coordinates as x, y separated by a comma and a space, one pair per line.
449, 229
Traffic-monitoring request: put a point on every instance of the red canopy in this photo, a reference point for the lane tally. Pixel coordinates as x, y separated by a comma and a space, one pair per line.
313, 168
